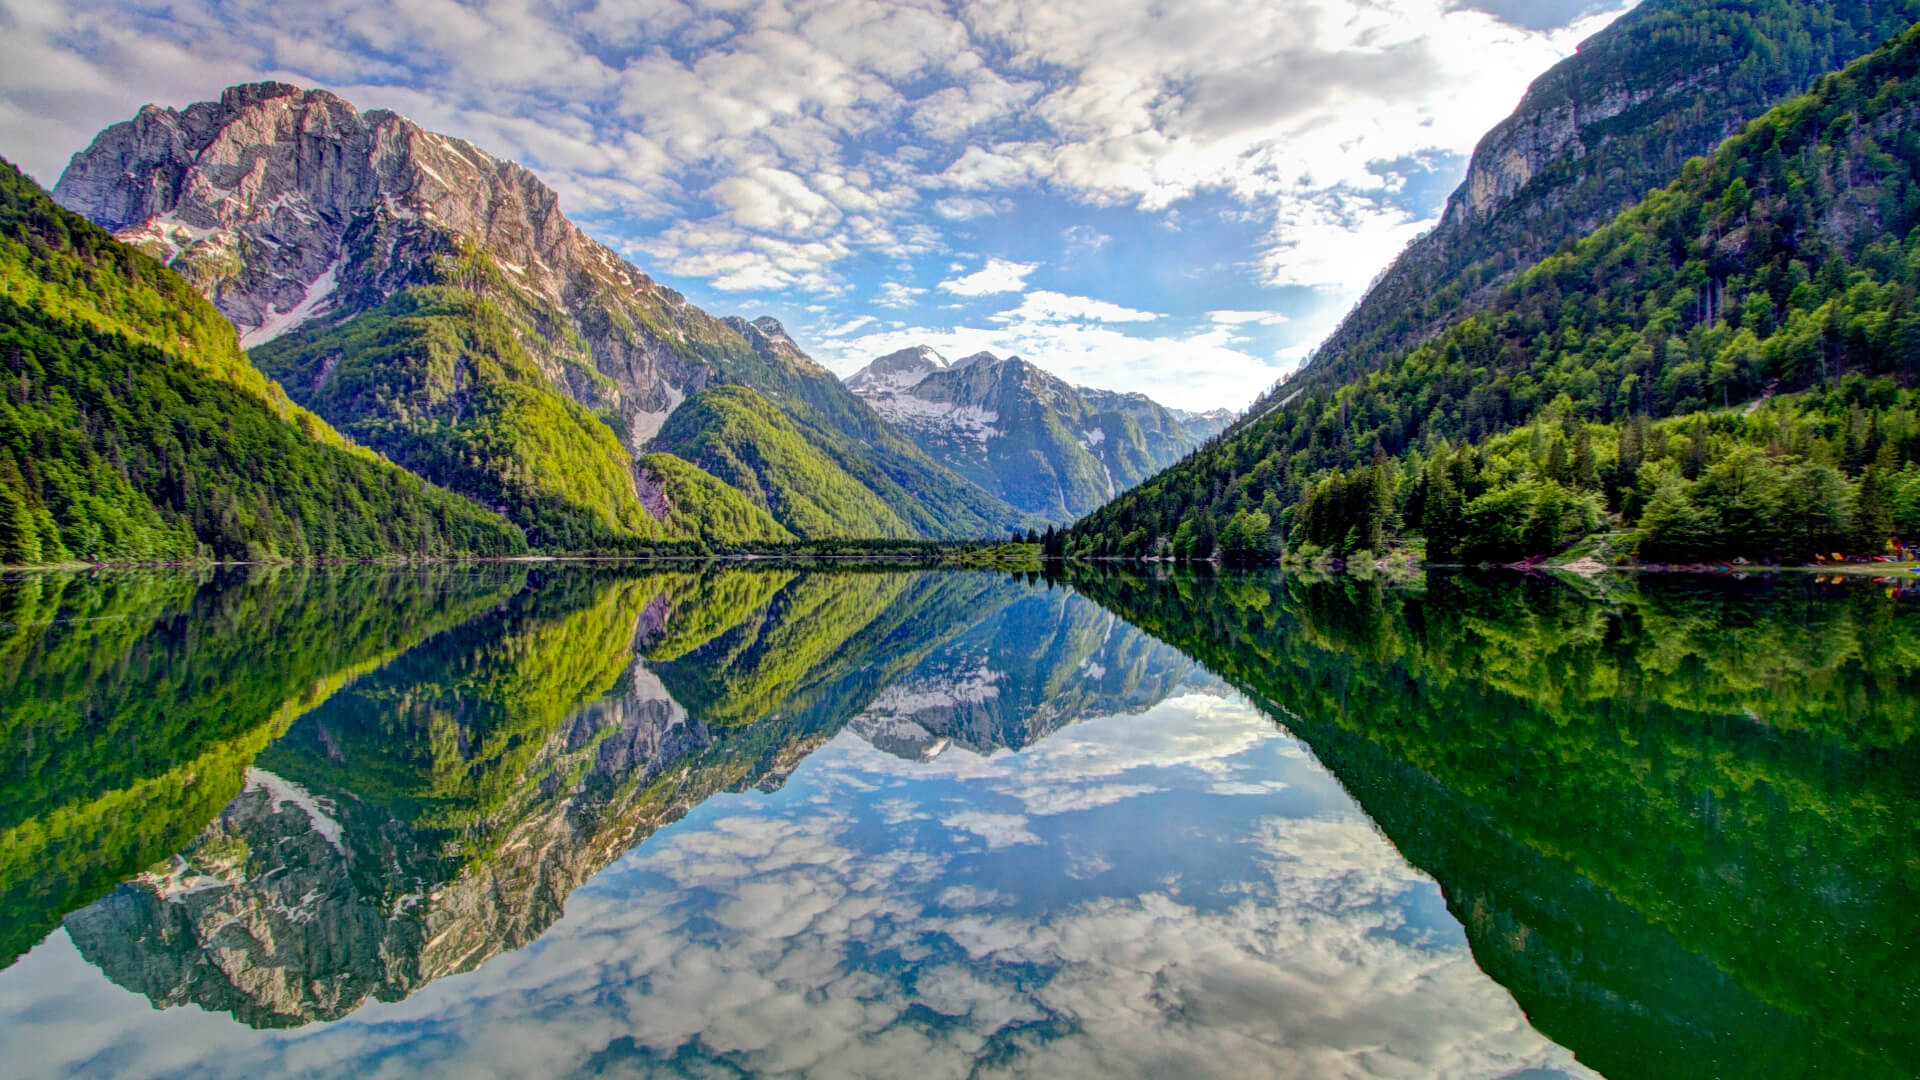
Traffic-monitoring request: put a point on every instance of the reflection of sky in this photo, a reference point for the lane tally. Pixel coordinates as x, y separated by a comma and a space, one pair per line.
1183, 892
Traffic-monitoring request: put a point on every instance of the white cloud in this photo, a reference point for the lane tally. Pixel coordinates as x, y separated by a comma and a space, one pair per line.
893, 294
998, 830
1043, 306
851, 326
962, 208
997, 276
1239, 318
771, 146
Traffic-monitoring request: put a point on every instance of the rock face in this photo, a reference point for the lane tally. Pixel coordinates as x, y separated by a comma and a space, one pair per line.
286, 205
1667, 81
1045, 446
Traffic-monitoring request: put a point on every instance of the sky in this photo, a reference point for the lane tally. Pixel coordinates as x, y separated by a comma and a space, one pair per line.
1180, 199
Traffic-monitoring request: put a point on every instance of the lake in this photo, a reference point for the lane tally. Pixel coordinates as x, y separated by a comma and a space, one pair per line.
603, 820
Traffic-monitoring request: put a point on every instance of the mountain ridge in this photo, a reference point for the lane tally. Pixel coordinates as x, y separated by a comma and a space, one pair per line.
1044, 445
135, 430
1724, 371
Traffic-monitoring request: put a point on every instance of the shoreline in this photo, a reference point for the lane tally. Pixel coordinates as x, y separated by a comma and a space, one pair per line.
958, 559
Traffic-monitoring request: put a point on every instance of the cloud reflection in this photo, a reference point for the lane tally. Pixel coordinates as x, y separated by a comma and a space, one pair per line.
973, 914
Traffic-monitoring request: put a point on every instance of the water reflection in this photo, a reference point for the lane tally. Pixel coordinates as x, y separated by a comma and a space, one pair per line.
722, 820
1678, 818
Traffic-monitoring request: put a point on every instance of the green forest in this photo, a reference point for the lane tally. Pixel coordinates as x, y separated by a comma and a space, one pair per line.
133, 429
1694, 70
740, 437
1722, 371
436, 380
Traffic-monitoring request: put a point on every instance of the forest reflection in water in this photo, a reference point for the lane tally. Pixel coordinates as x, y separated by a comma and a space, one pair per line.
964, 822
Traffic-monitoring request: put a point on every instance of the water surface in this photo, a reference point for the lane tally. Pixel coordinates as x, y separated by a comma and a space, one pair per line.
719, 821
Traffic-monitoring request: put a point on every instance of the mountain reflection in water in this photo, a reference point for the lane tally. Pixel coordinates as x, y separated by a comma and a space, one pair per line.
405, 821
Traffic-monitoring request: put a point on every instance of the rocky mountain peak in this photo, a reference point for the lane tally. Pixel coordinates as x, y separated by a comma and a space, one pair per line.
287, 205
771, 341
900, 370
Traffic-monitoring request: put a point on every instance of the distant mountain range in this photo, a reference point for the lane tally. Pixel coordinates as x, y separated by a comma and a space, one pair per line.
432, 303
1043, 445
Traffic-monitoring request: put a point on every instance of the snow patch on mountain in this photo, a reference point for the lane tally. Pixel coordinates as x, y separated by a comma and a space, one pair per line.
971, 422
317, 301
908, 698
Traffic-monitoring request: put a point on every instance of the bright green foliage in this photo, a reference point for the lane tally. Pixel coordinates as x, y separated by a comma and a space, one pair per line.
699, 505
754, 666
1676, 820
1694, 69
436, 380
130, 704
738, 436
131, 427
1789, 261
932, 499
445, 736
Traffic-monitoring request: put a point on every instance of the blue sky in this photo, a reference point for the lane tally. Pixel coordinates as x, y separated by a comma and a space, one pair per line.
1174, 198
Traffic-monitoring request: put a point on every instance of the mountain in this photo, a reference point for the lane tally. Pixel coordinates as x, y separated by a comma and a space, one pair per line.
1046, 447
131, 704
297, 214
1725, 370
134, 429
1665, 82
435, 379
1032, 667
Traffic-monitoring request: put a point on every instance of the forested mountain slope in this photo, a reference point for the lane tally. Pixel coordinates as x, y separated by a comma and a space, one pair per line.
1726, 366
132, 428
131, 704
1674, 821
741, 438
290, 208
435, 379
1667, 81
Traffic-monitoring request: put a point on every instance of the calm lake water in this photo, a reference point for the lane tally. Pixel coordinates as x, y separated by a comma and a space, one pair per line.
584, 820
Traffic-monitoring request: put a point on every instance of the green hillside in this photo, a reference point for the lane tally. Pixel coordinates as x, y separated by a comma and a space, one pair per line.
132, 428
1665, 82
1723, 369
743, 439
930, 497
699, 505
131, 703
436, 380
